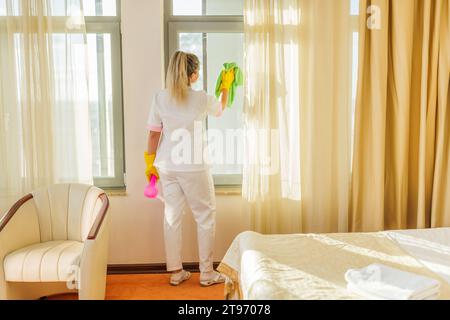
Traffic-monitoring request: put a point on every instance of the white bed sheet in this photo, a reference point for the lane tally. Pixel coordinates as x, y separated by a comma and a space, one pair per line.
430, 246
263, 277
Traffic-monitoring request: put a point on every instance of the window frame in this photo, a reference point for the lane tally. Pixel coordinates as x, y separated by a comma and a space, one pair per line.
108, 25
112, 25
175, 24
169, 18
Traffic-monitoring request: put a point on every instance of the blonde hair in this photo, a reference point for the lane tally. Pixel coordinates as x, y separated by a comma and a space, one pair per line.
181, 67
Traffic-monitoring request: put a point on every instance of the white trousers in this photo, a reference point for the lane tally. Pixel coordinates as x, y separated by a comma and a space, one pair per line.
195, 189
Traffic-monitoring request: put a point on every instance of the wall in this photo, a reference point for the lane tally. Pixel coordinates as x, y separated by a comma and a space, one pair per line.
137, 223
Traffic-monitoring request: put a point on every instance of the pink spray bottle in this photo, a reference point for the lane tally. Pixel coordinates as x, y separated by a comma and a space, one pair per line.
151, 191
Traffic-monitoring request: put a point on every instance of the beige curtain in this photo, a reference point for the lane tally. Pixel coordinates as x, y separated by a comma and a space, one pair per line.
298, 114
44, 105
401, 172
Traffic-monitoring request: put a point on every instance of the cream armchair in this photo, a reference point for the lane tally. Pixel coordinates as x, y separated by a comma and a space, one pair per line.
55, 240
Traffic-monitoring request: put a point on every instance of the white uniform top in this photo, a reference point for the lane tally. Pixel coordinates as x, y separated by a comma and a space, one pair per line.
182, 144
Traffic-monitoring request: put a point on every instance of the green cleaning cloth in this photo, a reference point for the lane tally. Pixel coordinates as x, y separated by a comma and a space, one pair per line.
238, 81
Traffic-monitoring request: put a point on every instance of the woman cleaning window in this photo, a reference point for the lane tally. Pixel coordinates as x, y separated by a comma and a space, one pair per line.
177, 111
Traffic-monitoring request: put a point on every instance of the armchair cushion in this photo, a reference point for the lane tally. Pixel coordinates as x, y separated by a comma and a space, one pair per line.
67, 211
44, 262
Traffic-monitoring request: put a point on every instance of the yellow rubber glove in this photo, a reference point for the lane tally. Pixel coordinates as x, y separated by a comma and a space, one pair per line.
227, 79
151, 170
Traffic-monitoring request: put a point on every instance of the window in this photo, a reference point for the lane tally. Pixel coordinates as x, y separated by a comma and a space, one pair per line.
207, 7
354, 7
213, 30
105, 81
61, 8
105, 91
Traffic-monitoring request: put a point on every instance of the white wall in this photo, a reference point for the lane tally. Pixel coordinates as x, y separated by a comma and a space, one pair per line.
137, 223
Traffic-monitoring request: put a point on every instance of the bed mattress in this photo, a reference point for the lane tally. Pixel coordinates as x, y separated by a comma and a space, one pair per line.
312, 266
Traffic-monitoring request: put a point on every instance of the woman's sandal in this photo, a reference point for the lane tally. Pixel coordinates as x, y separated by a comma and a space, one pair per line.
177, 278
211, 279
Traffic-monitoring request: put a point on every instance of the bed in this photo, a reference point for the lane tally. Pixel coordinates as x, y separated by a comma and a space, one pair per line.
312, 266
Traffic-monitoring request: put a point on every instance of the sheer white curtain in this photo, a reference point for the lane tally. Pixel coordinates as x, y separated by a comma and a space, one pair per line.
298, 114
45, 136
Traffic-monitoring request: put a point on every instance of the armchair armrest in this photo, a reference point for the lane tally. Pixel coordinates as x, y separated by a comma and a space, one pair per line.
92, 278
100, 218
18, 228
10, 214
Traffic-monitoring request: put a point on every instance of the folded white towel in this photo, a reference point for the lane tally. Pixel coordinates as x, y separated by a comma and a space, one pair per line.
378, 281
